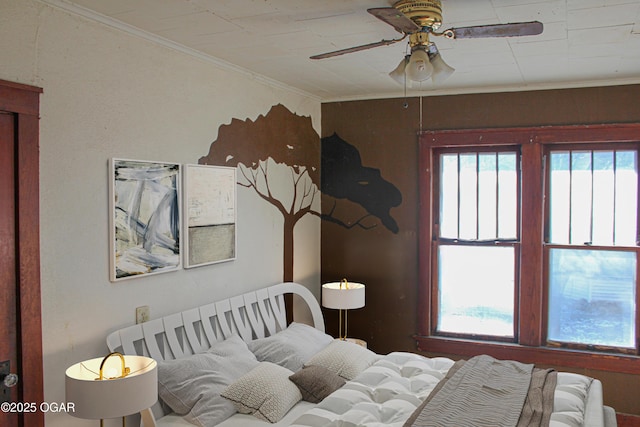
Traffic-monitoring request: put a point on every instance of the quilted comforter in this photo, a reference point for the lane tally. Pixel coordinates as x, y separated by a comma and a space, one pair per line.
390, 390
484, 391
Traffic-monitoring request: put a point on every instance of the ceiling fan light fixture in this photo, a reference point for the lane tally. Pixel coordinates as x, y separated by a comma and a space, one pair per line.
419, 67
441, 70
398, 74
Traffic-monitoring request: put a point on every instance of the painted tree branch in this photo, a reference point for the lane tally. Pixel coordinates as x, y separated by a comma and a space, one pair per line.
358, 223
253, 183
309, 190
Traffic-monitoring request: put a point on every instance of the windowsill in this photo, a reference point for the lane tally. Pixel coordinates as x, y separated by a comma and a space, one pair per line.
613, 362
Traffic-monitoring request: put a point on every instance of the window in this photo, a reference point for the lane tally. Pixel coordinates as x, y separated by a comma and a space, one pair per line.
529, 236
593, 199
477, 222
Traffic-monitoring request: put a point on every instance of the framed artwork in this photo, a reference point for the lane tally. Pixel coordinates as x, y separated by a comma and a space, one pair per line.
210, 206
145, 218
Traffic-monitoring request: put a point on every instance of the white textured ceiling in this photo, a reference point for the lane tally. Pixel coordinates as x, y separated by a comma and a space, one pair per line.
584, 43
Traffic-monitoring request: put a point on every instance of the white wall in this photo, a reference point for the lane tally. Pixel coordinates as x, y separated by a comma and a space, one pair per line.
108, 94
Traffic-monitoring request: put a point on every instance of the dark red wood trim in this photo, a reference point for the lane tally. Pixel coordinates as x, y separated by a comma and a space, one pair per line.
424, 242
472, 137
29, 268
626, 420
531, 279
620, 132
21, 86
24, 102
19, 98
540, 355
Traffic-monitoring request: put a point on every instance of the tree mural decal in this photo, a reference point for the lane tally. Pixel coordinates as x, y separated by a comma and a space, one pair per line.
279, 147
278, 156
344, 177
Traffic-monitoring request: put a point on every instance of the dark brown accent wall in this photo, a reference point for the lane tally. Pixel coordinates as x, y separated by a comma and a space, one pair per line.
385, 134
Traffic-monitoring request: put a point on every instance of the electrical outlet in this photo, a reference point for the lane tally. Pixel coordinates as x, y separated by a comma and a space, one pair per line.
142, 314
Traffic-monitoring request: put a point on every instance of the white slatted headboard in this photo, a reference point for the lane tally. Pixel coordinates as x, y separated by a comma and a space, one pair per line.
252, 315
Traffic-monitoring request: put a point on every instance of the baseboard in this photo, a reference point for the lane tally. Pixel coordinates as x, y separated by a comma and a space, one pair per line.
627, 420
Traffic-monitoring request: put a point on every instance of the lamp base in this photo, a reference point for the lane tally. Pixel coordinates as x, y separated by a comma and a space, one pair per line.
358, 341
148, 420
124, 422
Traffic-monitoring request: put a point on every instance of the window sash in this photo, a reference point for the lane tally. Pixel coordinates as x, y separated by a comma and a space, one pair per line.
480, 175
493, 311
587, 200
592, 219
478, 179
591, 289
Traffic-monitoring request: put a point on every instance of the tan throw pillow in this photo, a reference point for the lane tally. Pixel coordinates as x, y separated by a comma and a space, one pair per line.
344, 358
315, 383
264, 392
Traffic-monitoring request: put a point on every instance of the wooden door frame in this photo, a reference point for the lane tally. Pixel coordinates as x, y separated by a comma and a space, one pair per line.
24, 102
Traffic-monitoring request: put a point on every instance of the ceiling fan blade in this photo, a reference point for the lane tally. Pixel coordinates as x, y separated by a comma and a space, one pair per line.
356, 48
395, 18
498, 30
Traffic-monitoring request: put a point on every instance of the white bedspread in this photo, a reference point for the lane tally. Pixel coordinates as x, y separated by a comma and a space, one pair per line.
241, 420
388, 392
385, 394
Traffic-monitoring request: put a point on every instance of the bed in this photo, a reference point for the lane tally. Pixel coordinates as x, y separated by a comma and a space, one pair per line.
237, 363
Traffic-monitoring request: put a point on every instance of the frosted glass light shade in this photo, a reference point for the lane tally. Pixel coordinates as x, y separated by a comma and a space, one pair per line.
111, 398
419, 68
441, 71
337, 297
398, 73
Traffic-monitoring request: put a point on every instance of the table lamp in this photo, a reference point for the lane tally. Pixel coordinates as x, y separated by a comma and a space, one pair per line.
345, 296
103, 388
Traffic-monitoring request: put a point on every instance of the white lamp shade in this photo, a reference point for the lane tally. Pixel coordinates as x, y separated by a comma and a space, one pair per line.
338, 296
441, 71
398, 73
111, 398
419, 68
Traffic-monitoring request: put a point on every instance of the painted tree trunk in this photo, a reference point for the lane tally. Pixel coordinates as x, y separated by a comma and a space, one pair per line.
287, 255
287, 260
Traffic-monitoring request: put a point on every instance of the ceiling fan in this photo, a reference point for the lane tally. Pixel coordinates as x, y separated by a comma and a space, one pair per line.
420, 19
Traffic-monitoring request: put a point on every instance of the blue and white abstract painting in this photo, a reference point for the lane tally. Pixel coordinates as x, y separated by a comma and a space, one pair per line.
145, 218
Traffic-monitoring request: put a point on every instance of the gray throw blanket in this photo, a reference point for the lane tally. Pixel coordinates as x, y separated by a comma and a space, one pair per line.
486, 392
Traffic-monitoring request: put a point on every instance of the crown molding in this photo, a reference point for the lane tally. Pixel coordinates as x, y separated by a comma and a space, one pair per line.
92, 15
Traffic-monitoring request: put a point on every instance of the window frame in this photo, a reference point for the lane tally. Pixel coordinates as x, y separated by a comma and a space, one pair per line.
438, 241
548, 245
531, 345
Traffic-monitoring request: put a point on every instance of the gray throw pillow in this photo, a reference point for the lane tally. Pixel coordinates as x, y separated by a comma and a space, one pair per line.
316, 382
292, 347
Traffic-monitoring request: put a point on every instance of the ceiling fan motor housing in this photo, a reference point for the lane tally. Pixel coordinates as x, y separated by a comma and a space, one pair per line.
423, 13
421, 38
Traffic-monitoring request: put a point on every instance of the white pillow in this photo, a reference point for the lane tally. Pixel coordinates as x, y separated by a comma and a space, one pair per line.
265, 392
344, 358
191, 385
292, 347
